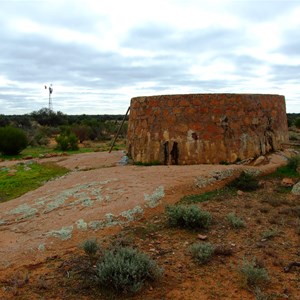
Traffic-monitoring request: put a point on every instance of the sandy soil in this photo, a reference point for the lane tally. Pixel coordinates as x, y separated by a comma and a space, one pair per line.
98, 197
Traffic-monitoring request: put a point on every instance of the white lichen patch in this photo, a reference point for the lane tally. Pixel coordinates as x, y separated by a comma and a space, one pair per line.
96, 225
24, 210
81, 225
81, 194
223, 174
110, 220
109, 217
107, 198
41, 247
64, 234
154, 199
54, 204
202, 181
296, 189
99, 198
133, 214
213, 177
87, 202
2, 222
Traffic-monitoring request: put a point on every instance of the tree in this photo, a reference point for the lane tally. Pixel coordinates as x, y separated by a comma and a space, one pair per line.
46, 116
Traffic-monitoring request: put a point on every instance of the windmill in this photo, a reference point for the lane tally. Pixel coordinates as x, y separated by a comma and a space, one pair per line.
50, 96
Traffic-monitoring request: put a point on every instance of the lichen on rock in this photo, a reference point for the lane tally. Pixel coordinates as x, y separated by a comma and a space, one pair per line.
154, 199
64, 234
296, 189
25, 210
133, 214
81, 225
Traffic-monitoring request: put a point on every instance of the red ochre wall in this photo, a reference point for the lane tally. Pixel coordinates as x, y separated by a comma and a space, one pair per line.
205, 128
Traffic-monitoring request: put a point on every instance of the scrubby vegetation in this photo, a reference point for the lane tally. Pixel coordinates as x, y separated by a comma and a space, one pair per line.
290, 169
293, 119
40, 127
67, 141
202, 252
191, 217
234, 221
126, 270
253, 274
245, 182
12, 140
293, 163
91, 247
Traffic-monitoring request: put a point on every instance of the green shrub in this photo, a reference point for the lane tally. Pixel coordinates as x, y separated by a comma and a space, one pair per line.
202, 252
67, 141
293, 163
12, 140
253, 274
126, 270
90, 247
297, 122
245, 182
188, 216
234, 221
269, 234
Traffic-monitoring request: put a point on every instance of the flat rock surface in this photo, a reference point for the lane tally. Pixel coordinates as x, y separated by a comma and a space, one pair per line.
98, 195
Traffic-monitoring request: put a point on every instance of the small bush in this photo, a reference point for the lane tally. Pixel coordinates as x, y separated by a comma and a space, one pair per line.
293, 163
202, 252
269, 234
234, 221
245, 182
67, 141
12, 140
82, 132
252, 274
126, 270
90, 247
188, 217
41, 137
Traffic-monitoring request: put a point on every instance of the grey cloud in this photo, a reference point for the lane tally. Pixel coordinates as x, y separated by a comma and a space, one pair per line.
261, 11
153, 37
65, 14
291, 43
285, 74
96, 75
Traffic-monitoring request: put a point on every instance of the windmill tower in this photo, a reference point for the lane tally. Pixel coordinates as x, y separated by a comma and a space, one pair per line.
50, 96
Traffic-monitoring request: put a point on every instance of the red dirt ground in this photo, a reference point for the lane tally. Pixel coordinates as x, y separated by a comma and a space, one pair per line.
40, 231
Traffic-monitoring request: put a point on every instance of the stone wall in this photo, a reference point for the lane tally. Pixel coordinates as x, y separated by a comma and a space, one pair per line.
205, 128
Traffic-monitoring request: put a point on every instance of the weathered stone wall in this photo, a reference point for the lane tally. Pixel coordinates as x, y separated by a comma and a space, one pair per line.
205, 128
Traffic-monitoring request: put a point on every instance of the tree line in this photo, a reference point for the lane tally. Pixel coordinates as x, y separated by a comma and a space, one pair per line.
42, 125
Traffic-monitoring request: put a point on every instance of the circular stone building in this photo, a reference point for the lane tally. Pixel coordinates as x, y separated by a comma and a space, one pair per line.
205, 128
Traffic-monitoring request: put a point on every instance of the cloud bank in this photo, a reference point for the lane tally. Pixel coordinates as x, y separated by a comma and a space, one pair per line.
100, 54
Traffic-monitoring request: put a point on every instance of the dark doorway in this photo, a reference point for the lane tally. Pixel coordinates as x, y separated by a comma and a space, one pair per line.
166, 153
174, 154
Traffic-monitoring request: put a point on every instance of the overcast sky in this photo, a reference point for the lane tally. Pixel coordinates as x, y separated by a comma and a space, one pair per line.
100, 54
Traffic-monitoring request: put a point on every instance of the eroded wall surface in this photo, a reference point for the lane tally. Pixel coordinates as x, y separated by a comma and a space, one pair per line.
205, 128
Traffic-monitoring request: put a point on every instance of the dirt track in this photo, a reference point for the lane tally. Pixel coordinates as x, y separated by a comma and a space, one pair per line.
97, 195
